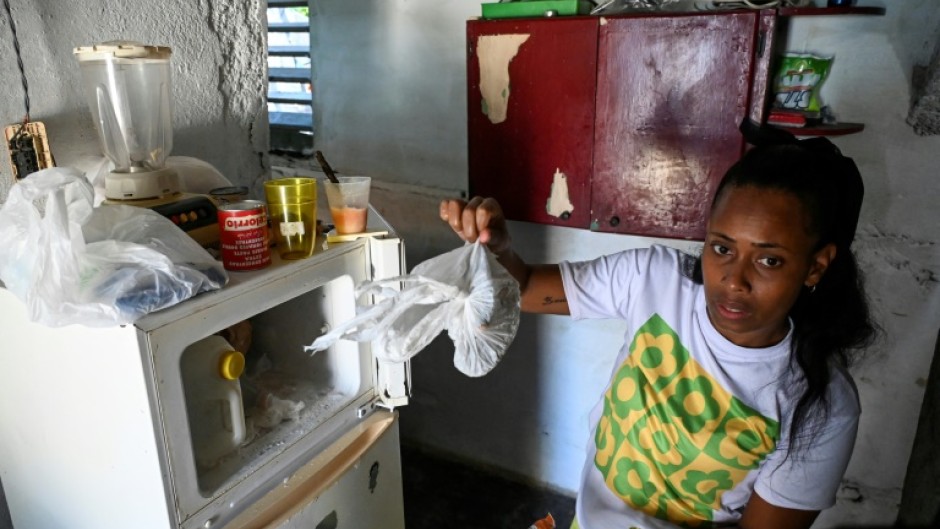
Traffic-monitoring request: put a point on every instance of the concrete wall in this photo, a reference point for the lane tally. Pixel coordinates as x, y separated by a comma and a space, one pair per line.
389, 88
218, 63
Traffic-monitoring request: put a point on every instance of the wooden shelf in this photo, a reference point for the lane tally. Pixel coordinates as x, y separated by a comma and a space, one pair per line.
822, 11
832, 129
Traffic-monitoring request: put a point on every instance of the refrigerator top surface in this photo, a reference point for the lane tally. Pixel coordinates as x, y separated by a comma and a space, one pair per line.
240, 282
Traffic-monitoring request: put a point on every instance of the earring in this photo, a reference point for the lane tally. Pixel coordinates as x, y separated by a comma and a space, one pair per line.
812, 289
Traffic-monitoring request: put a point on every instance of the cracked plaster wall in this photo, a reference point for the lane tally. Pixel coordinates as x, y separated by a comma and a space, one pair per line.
218, 65
925, 108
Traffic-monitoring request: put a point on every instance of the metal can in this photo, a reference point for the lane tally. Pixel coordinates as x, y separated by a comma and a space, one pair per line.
243, 233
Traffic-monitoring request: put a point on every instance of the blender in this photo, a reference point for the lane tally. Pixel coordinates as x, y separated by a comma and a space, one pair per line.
128, 90
127, 85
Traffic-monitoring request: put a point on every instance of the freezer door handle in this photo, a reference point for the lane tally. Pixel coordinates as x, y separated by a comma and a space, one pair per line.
311, 480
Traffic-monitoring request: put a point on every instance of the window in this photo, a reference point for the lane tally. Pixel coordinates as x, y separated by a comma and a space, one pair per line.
290, 91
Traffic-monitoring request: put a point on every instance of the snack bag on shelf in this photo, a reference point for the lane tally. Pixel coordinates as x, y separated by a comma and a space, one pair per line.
798, 82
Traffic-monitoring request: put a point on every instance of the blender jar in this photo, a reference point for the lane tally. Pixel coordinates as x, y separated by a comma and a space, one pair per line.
127, 86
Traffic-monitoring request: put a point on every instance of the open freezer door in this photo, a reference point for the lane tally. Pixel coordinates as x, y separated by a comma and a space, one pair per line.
392, 379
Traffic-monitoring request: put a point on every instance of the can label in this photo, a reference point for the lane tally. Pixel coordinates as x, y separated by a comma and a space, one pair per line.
243, 233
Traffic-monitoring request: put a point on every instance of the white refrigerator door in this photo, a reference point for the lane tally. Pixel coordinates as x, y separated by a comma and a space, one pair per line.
356, 482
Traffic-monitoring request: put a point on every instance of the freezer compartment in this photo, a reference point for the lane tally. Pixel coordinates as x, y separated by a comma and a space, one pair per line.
285, 392
291, 401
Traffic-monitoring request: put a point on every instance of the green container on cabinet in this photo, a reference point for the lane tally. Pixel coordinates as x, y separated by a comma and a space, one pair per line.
535, 8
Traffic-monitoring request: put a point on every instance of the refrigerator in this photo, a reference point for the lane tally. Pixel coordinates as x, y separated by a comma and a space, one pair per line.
158, 424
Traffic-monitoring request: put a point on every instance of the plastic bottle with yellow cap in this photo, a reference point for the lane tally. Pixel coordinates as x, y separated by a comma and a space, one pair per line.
210, 370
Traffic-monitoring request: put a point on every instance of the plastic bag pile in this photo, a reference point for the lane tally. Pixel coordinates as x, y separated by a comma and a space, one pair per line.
72, 263
465, 291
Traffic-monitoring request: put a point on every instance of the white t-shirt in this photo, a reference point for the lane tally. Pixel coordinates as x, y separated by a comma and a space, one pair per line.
690, 423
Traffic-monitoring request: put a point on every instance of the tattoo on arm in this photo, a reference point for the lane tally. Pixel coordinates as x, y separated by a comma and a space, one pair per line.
549, 300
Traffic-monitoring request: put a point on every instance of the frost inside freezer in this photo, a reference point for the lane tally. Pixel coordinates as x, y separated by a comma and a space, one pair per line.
252, 390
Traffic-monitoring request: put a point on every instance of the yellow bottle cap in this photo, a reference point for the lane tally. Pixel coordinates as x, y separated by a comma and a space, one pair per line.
231, 365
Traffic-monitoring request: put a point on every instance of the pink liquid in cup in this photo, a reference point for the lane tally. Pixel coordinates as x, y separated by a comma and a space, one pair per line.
349, 203
349, 220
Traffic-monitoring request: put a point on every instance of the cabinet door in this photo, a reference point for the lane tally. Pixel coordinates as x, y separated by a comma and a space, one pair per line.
671, 93
761, 77
531, 114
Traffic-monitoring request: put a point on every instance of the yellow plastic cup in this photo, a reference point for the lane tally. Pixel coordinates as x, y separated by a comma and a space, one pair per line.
292, 208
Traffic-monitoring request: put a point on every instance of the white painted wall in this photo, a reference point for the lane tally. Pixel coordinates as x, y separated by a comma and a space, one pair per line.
219, 75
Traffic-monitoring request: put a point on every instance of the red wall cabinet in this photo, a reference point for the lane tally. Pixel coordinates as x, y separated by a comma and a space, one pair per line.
639, 113
538, 119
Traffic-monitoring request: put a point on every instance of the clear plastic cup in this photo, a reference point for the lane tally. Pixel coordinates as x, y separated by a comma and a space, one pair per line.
292, 208
349, 203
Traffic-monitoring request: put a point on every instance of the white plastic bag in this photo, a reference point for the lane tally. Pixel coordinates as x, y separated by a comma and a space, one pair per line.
70, 262
465, 291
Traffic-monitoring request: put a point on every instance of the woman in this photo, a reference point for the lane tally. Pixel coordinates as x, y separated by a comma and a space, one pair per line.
729, 402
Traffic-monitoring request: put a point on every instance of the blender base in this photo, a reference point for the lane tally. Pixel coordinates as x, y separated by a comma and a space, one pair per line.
136, 185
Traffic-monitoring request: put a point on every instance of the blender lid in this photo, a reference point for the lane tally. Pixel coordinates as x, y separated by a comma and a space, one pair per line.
121, 49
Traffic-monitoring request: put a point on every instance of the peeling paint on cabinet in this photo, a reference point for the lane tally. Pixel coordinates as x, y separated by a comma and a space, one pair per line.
495, 53
559, 204
549, 123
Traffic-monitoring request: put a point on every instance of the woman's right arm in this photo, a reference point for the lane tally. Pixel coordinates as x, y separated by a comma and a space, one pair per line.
482, 219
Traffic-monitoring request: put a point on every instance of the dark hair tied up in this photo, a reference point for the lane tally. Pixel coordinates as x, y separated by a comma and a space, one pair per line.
846, 189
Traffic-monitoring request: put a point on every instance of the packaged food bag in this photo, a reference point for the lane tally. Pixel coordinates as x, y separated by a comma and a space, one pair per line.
465, 291
798, 82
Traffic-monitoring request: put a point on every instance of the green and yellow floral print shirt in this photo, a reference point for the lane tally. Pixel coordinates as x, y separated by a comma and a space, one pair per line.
691, 424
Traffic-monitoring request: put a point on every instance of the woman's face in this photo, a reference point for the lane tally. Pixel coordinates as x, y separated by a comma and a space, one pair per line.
757, 257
